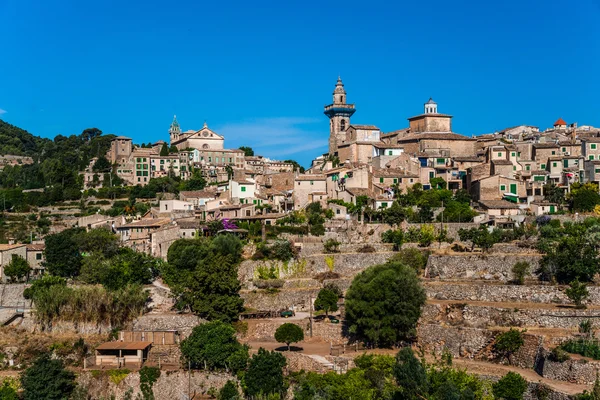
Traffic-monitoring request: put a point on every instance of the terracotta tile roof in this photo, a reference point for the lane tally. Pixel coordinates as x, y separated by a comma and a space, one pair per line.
198, 194
36, 247
395, 132
429, 115
5, 247
310, 178
146, 223
500, 204
392, 173
371, 127
591, 139
560, 121
359, 192
124, 346
540, 172
569, 143
435, 136
467, 159
501, 162
545, 145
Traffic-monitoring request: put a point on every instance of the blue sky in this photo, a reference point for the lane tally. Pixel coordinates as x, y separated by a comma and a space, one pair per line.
261, 72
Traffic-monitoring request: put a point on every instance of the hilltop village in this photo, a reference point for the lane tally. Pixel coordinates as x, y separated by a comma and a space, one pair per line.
413, 264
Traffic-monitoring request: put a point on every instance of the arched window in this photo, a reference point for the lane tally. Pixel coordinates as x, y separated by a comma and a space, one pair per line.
343, 125
205, 146
341, 99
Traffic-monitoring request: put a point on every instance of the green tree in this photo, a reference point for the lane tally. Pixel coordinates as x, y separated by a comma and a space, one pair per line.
228, 244
265, 374
584, 197
509, 342
213, 345
7, 391
62, 253
229, 391
289, 333
553, 193
248, 152
577, 292
47, 379
383, 304
511, 386
17, 269
164, 150
327, 301
173, 149
297, 167
99, 239
410, 375
102, 165
195, 182
520, 271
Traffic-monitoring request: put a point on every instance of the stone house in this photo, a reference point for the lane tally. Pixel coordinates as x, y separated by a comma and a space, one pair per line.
497, 187
197, 197
541, 208
590, 148
35, 257
306, 184
498, 208
162, 238
592, 171
241, 191
7, 251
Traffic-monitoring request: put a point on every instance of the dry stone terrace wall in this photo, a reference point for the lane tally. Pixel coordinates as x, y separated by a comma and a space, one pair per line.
485, 316
478, 291
577, 371
264, 330
492, 266
345, 264
284, 299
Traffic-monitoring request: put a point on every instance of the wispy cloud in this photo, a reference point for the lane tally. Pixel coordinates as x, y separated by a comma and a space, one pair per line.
2, 112
279, 137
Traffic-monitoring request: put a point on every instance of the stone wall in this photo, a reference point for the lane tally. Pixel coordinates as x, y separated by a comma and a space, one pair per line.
577, 371
477, 291
264, 330
170, 385
483, 316
345, 264
477, 266
183, 323
11, 295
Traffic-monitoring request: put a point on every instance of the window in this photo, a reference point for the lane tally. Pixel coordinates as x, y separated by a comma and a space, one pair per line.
342, 125
381, 180
554, 165
411, 180
395, 180
389, 152
528, 167
591, 157
440, 160
209, 159
243, 188
499, 154
513, 154
162, 161
543, 166
514, 167
553, 152
384, 205
597, 170
38, 256
503, 188
564, 149
431, 174
253, 201
312, 183
337, 211
593, 146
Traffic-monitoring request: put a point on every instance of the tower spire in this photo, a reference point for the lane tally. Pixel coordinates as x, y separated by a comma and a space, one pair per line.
339, 113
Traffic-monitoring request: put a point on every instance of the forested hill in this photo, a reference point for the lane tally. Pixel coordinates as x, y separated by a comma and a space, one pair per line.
56, 162
14, 140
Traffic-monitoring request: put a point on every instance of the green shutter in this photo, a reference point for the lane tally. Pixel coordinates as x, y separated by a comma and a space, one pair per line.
513, 188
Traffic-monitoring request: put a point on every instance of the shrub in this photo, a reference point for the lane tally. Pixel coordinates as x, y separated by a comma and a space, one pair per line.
519, 271
266, 273
413, 258
326, 301
586, 327
47, 379
396, 237
584, 347
366, 249
330, 262
559, 355
229, 392
289, 333
334, 288
148, 376
331, 246
509, 342
117, 375
17, 269
511, 386
577, 293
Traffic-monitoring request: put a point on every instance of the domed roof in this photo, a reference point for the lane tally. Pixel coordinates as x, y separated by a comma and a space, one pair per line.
339, 86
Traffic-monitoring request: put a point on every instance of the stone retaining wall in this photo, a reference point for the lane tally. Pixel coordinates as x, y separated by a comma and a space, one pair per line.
483, 316
183, 323
345, 264
477, 266
477, 291
576, 371
264, 330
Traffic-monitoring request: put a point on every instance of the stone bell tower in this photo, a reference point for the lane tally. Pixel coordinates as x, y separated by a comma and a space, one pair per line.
339, 114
